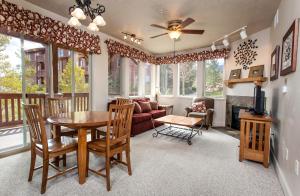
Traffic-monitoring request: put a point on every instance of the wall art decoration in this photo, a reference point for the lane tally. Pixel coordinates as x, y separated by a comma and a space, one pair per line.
274, 69
235, 74
246, 53
115, 47
256, 71
289, 49
16, 20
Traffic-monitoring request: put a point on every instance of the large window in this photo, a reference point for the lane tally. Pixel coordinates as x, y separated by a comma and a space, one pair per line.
114, 75
133, 78
166, 80
187, 78
147, 79
214, 78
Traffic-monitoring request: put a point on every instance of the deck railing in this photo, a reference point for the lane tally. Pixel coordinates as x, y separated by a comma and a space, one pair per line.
11, 105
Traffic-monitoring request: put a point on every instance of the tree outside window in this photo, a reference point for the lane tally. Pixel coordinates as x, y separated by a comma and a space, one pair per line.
114, 75
147, 79
166, 79
188, 82
133, 78
214, 78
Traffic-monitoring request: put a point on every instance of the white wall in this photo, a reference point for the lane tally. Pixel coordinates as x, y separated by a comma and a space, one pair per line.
286, 107
263, 58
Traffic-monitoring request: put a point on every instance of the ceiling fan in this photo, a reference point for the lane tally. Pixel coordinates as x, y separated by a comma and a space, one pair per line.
176, 27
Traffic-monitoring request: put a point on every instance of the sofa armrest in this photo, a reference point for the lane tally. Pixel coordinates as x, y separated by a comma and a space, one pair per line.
209, 117
188, 110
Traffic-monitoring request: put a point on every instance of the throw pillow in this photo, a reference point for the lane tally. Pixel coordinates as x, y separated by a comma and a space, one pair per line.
199, 107
146, 107
137, 108
154, 105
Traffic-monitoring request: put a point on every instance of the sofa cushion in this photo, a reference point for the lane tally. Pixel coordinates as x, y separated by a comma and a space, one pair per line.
197, 114
137, 108
199, 107
146, 107
154, 105
138, 118
141, 99
157, 113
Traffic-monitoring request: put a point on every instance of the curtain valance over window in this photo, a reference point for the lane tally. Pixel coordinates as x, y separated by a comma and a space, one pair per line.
115, 47
18, 20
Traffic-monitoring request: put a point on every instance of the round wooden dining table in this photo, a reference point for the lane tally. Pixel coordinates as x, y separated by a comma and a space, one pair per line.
80, 121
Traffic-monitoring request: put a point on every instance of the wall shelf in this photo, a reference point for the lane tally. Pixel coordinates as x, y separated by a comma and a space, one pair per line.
257, 81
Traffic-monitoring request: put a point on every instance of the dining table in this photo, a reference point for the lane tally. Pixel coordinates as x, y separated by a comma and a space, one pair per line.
80, 121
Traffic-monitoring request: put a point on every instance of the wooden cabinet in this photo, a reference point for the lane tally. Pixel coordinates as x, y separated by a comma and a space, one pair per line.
255, 137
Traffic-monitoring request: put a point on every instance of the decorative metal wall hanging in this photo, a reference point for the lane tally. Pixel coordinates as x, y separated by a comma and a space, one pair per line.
246, 53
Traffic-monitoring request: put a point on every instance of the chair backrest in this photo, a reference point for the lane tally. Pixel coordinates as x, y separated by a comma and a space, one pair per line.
119, 125
209, 102
36, 124
122, 101
59, 105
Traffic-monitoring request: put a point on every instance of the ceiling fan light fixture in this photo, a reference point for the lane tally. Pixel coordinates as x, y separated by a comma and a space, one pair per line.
243, 33
174, 34
226, 41
93, 27
74, 22
99, 21
213, 47
79, 14
125, 37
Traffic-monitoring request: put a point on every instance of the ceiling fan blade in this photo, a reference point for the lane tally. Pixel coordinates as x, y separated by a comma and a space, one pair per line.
190, 31
158, 26
158, 35
187, 22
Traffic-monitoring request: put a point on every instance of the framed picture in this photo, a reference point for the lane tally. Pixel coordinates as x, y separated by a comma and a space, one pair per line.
235, 74
289, 50
274, 64
256, 71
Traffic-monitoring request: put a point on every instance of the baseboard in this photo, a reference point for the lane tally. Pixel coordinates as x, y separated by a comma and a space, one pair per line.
285, 187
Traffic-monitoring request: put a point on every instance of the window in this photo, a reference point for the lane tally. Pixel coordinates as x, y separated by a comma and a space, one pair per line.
166, 79
133, 78
114, 75
187, 78
147, 79
214, 78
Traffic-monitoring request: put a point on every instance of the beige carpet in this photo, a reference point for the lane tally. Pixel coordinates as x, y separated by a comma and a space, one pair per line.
161, 166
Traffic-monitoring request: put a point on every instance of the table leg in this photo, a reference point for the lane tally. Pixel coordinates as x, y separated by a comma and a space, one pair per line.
82, 150
93, 134
56, 134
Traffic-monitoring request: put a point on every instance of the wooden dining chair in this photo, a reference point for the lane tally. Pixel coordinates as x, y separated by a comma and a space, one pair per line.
117, 140
58, 106
44, 147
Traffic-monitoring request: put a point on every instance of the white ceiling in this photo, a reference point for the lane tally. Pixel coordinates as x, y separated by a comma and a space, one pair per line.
216, 17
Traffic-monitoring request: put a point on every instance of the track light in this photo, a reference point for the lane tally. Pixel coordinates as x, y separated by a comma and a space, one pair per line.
213, 47
243, 33
226, 41
132, 37
125, 37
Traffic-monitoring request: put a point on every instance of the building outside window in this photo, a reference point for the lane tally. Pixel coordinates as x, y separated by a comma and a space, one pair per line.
188, 79
166, 79
133, 78
214, 70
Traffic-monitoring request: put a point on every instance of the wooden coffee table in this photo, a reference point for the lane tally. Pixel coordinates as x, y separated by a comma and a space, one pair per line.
181, 127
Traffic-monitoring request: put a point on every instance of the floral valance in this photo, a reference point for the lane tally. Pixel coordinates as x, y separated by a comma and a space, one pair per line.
18, 20
115, 47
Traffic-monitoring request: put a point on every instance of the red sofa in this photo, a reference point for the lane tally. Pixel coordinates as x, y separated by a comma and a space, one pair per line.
143, 122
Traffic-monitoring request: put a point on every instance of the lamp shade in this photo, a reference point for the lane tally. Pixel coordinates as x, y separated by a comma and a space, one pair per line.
93, 27
74, 22
243, 34
79, 14
225, 41
99, 21
174, 34
213, 47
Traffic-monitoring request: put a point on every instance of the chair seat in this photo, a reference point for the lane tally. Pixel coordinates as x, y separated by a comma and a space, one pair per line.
100, 145
56, 145
197, 114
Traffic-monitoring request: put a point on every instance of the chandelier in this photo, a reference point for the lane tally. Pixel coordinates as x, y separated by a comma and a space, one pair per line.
84, 9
